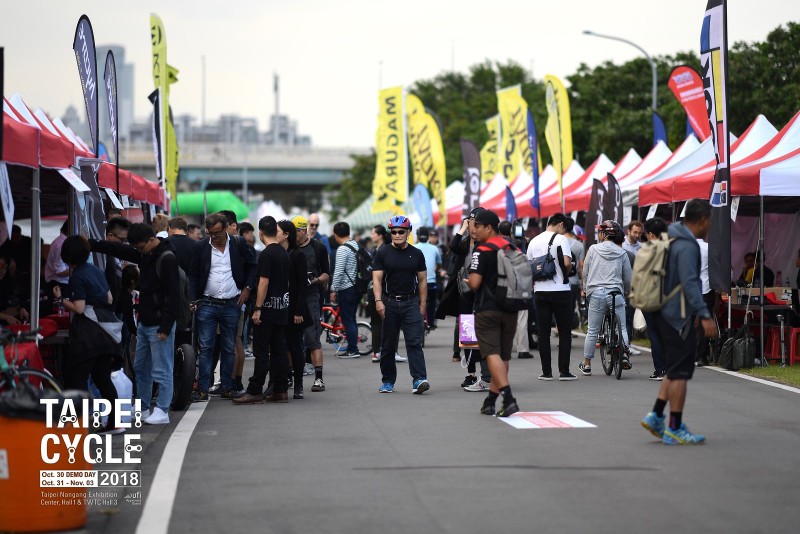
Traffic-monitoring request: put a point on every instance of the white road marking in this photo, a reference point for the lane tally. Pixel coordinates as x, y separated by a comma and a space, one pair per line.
754, 379
158, 507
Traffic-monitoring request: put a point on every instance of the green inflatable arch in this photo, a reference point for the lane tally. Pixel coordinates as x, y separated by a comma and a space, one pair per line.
192, 203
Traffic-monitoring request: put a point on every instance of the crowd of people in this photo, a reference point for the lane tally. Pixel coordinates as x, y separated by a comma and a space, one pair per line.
269, 284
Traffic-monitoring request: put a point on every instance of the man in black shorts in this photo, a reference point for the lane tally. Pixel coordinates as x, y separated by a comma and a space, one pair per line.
494, 328
675, 329
400, 287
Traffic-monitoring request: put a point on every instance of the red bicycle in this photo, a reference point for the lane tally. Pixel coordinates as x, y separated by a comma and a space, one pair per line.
332, 324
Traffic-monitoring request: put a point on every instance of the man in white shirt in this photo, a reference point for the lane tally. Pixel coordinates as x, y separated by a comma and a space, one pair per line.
553, 297
703, 349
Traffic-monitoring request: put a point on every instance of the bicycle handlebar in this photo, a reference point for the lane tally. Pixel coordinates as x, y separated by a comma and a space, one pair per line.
9, 336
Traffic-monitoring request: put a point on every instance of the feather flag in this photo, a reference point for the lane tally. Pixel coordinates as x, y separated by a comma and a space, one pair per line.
515, 151
489, 159
558, 131
86, 56
472, 176
536, 160
687, 87
427, 152
390, 186
164, 75
714, 73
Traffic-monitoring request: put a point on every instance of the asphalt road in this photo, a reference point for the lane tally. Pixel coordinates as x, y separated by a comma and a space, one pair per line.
352, 460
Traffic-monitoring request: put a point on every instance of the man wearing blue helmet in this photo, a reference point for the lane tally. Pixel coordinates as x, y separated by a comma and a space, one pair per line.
400, 287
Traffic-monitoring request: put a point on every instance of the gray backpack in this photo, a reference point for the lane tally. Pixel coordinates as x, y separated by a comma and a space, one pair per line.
514, 278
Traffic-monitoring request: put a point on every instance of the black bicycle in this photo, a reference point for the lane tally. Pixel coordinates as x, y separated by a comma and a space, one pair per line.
612, 346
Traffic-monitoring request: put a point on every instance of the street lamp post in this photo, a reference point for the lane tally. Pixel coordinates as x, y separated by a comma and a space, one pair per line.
642, 50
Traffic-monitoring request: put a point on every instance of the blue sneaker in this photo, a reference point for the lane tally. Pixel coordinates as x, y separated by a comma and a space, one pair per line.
386, 387
682, 436
654, 424
420, 386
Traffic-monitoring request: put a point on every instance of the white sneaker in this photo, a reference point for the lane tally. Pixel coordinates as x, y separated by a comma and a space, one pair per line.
635, 352
145, 415
308, 369
400, 358
478, 386
158, 417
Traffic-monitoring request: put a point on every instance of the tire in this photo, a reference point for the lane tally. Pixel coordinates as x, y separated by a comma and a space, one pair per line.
46, 380
364, 338
605, 353
183, 376
618, 350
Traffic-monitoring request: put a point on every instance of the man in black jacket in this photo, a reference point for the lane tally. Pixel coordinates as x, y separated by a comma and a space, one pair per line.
182, 243
221, 277
116, 232
158, 309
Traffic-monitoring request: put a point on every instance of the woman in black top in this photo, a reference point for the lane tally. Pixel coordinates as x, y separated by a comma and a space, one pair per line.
299, 318
94, 333
380, 237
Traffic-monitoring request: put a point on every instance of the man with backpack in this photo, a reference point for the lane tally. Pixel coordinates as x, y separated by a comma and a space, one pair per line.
606, 270
550, 250
675, 309
495, 326
159, 303
343, 286
400, 287
222, 276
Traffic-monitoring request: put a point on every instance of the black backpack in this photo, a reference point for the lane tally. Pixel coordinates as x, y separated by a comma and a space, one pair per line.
184, 319
363, 269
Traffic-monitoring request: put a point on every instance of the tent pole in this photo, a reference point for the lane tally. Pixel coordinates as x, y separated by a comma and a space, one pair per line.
760, 259
36, 249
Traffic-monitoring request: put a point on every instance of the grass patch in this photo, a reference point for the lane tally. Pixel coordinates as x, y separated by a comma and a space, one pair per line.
783, 375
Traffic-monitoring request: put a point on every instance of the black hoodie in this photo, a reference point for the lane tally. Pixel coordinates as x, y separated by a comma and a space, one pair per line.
158, 296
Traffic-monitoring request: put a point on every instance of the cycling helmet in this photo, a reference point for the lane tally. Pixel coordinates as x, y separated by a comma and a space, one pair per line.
611, 229
400, 221
579, 233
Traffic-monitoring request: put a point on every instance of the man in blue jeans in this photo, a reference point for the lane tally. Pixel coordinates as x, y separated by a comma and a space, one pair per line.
222, 275
158, 309
343, 290
400, 288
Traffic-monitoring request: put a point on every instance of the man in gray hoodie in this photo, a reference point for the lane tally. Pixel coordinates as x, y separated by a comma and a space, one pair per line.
606, 269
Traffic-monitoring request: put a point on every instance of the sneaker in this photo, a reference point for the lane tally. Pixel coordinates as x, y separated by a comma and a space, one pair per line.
456, 357
216, 390
298, 393
469, 380
249, 398
488, 407
318, 386
657, 376
291, 380
420, 386
654, 424
229, 394
400, 358
111, 430
567, 376
386, 387
546, 377
348, 355
525, 355
376, 357
478, 386
508, 409
635, 352
145, 415
199, 396
158, 417
681, 436
626, 364
308, 370
585, 369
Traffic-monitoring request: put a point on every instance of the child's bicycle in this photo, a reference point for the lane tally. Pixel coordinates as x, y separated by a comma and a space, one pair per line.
15, 373
332, 324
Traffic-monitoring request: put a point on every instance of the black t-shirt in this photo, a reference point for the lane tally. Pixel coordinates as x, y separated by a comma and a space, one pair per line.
400, 268
273, 263
316, 264
484, 263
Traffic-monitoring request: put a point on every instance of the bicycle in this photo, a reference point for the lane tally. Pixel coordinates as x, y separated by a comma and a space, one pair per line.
12, 374
332, 324
612, 347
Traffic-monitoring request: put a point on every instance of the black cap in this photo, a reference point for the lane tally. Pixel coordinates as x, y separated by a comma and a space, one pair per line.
476, 211
423, 231
487, 217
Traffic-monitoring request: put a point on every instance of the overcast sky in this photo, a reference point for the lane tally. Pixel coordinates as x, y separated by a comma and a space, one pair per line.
329, 54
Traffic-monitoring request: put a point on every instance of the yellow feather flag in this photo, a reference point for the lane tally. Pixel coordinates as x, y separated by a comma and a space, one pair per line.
164, 75
429, 155
391, 170
515, 154
558, 130
414, 111
489, 158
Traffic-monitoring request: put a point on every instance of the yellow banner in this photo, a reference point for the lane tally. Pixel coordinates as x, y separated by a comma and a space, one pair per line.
489, 158
515, 153
427, 153
558, 130
164, 75
414, 111
391, 174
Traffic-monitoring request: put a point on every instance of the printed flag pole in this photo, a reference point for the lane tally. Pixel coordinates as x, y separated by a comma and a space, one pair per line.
714, 73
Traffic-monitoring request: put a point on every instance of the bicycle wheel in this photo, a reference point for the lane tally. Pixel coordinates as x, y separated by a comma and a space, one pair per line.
605, 354
36, 378
364, 339
183, 376
617, 348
